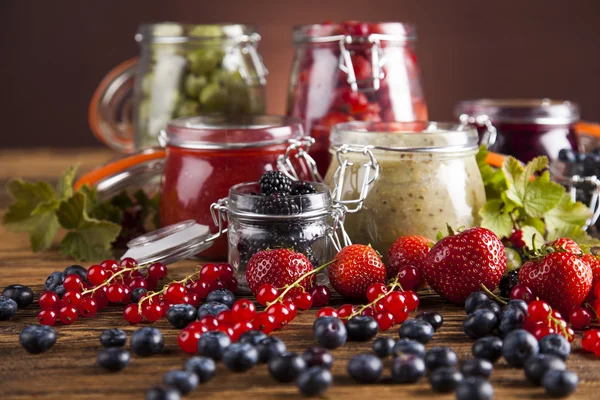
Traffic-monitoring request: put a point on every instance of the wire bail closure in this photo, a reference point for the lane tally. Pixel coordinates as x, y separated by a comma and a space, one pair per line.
594, 204
377, 63
246, 46
298, 149
491, 133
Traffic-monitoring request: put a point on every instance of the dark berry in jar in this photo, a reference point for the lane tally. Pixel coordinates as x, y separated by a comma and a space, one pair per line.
314, 381
286, 367
474, 388
536, 366
488, 347
477, 367
408, 368
361, 328
302, 188
240, 357
37, 338
434, 318
438, 357
409, 346
365, 368
213, 344
330, 332
203, 367
8, 308
270, 347
416, 329
272, 182
278, 205
181, 315
183, 381
113, 338
222, 296
318, 357
22, 295
147, 342
113, 359
383, 346
445, 379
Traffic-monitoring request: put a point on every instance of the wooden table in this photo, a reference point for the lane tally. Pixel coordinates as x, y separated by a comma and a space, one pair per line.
68, 370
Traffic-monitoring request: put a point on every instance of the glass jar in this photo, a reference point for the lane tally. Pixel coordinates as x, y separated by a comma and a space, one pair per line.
526, 128
184, 70
208, 155
353, 71
428, 177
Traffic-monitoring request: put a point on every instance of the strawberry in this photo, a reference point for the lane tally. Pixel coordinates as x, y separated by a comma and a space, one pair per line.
354, 269
566, 244
562, 279
457, 265
279, 267
594, 262
407, 251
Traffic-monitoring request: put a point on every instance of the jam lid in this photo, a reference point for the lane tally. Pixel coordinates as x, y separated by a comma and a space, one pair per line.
223, 132
141, 169
406, 137
521, 111
332, 32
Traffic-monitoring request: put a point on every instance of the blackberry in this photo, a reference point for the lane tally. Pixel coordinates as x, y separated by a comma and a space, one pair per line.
275, 182
303, 188
278, 205
507, 282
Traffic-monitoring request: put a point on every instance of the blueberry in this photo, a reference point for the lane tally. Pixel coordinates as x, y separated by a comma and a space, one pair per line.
518, 346
512, 319
252, 337
438, 357
365, 368
474, 388
480, 323
211, 308
286, 367
77, 270
222, 296
383, 346
270, 347
8, 308
477, 367
22, 295
330, 332
435, 319
566, 155
409, 346
416, 329
318, 357
37, 338
137, 294
314, 381
113, 338
146, 342
183, 381
580, 158
518, 304
162, 393
408, 368
240, 357
488, 347
181, 315
113, 359
559, 383
490, 305
555, 344
536, 366
60, 291
475, 299
445, 379
54, 280
361, 328
203, 367
213, 344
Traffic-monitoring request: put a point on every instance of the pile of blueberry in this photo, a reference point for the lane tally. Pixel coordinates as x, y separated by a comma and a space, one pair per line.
14, 297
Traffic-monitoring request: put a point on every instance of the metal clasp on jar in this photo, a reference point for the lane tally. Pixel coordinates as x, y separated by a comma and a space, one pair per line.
490, 135
371, 173
298, 149
377, 62
256, 72
594, 204
338, 214
218, 211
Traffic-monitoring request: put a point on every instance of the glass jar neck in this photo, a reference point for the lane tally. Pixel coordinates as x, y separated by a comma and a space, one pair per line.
172, 33
521, 111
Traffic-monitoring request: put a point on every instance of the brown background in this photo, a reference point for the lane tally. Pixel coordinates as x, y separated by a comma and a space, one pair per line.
54, 53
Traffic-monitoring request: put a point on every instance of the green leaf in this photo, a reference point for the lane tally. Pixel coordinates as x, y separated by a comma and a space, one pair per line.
531, 234
494, 180
28, 196
64, 188
494, 218
536, 223
567, 217
541, 196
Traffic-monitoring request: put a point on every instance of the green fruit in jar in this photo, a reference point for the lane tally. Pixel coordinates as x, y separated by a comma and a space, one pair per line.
239, 98
513, 259
213, 98
147, 82
204, 61
194, 84
188, 108
205, 31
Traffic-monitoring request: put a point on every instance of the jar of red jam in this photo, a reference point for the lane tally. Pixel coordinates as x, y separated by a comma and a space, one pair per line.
526, 128
208, 155
353, 71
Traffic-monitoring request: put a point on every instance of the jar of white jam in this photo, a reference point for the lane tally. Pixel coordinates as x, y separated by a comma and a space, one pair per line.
427, 177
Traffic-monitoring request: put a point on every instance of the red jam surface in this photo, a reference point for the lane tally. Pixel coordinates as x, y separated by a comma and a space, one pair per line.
194, 178
320, 92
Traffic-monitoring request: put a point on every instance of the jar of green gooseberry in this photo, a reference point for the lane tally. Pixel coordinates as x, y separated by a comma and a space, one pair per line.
183, 70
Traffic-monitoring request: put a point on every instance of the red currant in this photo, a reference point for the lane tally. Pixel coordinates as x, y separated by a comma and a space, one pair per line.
590, 338
152, 284
345, 311
375, 290
110, 265
400, 315
522, 292
570, 335
96, 275
239, 328
49, 301
126, 295
281, 314
210, 272
225, 272
580, 318
175, 293
368, 312
210, 321
267, 293
263, 322
303, 301
327, 312
138, 282
596, 349
197, 326
378, 307
409, 278
224, 318
100, 296
231, 284
394, 301
538, 310
226, 329
194, 299
188, 340
68, 315
153, 312
411, 300
243, 310
542, 331
115, 293
73, 283
88, 307
128, 263
132, 314
47, 317
289, 304
321, 295
385, 320
157, 271
201, 288
555, 314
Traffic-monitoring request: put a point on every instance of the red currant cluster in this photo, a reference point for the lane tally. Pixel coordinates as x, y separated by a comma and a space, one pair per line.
541, 320
591, 341
389, 305
153, 306
108, 282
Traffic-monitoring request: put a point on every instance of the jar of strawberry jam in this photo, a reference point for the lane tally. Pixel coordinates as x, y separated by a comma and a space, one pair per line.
208, 155
353, 71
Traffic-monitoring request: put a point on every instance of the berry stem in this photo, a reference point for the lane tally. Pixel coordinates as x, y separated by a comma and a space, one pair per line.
112, 278
492, 295
394, 284
588, 306
287, 288
149, 295
556, 322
